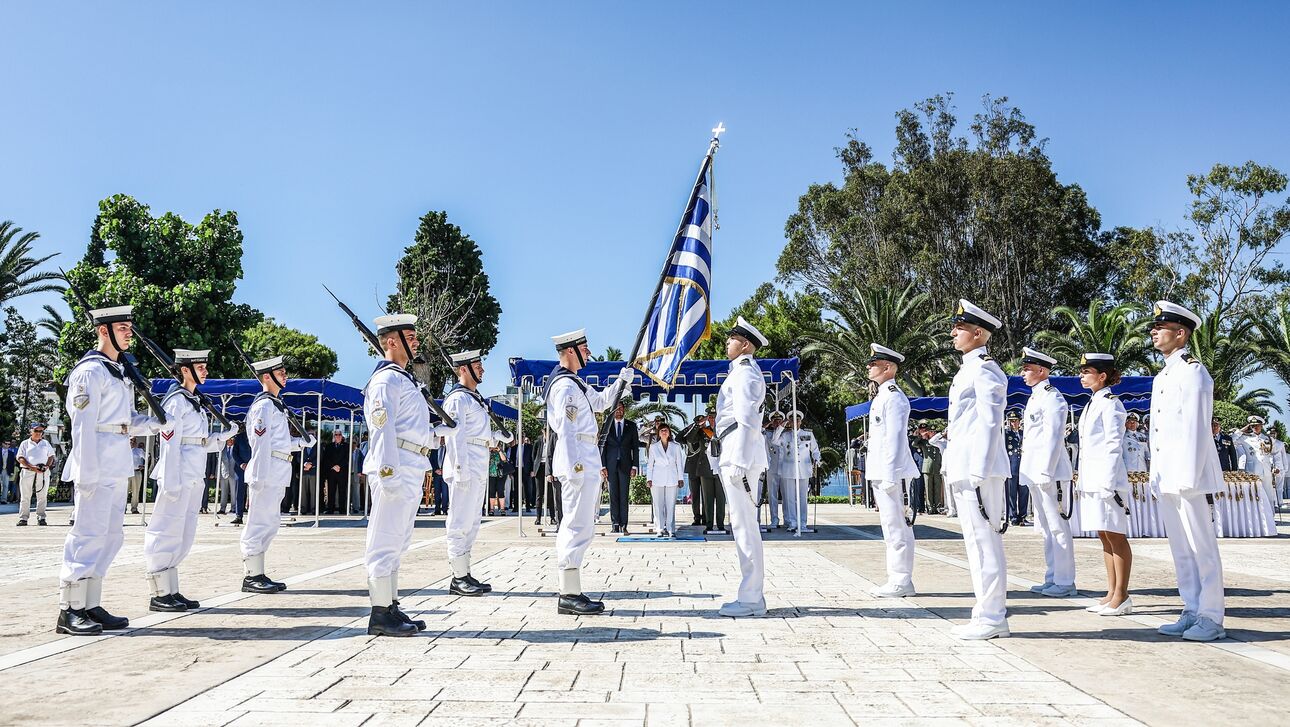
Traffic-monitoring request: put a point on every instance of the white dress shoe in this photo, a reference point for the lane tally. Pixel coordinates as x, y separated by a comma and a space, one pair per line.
1204, 630
981, 632
1179, 627
892, 591
743, 610
1056, 591
1041, 587
1124, 609
1095, 608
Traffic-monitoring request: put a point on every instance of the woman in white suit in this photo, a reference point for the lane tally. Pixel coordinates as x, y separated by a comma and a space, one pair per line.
666, 471
1104, 480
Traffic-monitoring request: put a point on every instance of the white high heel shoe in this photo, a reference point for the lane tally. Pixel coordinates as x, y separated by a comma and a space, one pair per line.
1124, 609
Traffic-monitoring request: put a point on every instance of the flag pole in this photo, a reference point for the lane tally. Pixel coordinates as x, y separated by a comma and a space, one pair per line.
662, 275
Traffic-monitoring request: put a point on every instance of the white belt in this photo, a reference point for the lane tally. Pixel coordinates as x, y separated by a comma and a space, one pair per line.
285, 456
588, 438
122, 429
195, 441
480, 441
414, 447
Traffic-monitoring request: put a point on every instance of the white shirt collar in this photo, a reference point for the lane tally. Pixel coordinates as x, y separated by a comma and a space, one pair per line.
1175, 356
738, 358
975, 353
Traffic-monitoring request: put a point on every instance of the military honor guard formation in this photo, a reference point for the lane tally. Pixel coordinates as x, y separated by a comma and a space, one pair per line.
406, 425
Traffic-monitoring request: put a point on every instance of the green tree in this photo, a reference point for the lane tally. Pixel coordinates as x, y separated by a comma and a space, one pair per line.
306, 357
1232, 356
19, 274
25, 362
442, 281
179, 277
1273, 342
612, 354
1119, 330
985, 219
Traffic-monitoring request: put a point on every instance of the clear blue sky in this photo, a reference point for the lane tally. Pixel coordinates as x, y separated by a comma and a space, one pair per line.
563, 137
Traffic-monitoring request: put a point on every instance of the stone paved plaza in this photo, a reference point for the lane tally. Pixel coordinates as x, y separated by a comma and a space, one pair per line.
826, 653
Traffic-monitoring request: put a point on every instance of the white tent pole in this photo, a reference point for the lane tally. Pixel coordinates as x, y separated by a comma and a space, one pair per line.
349, 469
318, 467
143, 482
797, 463
519, 460
851, 498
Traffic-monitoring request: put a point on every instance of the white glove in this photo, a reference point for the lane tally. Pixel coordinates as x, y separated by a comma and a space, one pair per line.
505, 437
145, 425
310, 440
626, 375
86, 488
231, 432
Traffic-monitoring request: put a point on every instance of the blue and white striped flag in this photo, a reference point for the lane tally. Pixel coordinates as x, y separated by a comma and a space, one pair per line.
681, 318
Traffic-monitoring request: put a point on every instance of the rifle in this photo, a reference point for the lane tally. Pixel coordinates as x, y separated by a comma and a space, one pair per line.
375, 343
127, 361
497, 421
293, 424
170, 365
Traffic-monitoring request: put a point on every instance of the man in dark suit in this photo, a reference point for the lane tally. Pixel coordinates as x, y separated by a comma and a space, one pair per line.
523, 476
697, 466
619, 455
241, 455
335, 473
1227, 457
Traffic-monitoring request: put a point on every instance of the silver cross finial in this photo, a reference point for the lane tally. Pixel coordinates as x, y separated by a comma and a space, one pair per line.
716, 133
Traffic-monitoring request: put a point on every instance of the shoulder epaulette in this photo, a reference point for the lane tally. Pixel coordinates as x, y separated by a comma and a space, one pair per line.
745, 362
1112, 395
892, 387
1188, 358
1050, 387
987, 357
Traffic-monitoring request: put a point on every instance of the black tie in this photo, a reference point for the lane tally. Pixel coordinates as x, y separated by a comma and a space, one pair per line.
620, 431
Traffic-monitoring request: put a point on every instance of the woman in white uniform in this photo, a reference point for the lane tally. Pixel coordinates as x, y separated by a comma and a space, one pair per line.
666, 472
1104, 480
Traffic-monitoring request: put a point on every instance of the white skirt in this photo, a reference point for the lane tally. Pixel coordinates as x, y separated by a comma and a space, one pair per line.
1101, 512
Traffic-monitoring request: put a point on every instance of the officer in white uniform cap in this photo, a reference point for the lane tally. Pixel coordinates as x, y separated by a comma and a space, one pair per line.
268, 472
571, 406
1046, 469
890, 468
976, 466
1256, 454
1185, 473
100, 402
774, 454
741, 457
180, 473
465, 467
799, 454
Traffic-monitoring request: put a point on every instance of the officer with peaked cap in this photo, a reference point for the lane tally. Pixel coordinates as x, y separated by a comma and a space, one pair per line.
1185, 473
799, 455
180, 473
465, 467
890, 469
35, 456
100, 402
571, 406
1046, 470
741, 457
1257, 455
1135, 444
398, 457
268, 472
976, 467
774, 454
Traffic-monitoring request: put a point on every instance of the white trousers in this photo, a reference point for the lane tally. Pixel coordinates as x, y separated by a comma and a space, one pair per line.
1059, 545
173, 525
581, 500
746, 530
1194, 545
986, 560
263, 516
664, 501
898, 535
795, 496
392, 521
97, 536
134, 489
30, 483
465, 511
774, 496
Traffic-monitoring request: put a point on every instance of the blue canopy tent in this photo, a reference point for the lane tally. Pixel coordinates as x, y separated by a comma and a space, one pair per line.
1135, 392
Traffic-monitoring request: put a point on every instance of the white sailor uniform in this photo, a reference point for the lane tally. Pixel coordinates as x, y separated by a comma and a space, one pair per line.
1046, 469
742, 461
799, 454
1103, 479
465, 469
976, 461
1256, 455
180, 472
890, 468
774, 491
100, 403
268, 473
1135, 451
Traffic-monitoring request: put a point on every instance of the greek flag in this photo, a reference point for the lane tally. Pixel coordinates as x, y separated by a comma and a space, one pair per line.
680, 318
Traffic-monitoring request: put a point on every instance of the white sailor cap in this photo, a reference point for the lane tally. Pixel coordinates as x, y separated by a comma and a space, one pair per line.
268, 364
1255, 420
749, 331
1099, 361
795, 414
466, 358
116, 314
1133, 416
395, 322
882, 353
1167, 312
1038, 358
185, 356
777, 414
570, 339
969, 313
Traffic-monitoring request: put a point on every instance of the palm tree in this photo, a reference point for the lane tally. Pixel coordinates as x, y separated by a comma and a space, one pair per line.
899, 319
1273, 340
613, 354
639, 412
51, 324
1232, 357
1118, 330
18, 275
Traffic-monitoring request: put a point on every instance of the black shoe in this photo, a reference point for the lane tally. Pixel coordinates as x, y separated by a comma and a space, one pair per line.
107, 620
258, 584
421, 625
190, 603
538, 522
166, 604
696, 523
385, 621
135, 511
75, 622
41, 522
578, 605
71, 522
220, 511
463, 587
22, 523
479, 584
276, 584
235, 521
614, 529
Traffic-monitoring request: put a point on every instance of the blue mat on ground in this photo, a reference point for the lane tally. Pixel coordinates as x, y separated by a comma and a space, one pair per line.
656, 539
